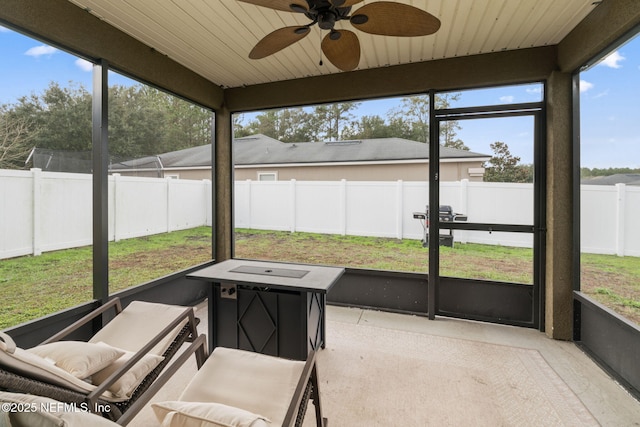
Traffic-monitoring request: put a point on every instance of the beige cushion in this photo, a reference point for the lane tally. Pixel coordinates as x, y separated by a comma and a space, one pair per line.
201, 414
80, 359
131, 330
43, 412
33, 366
254, 382
6, 343
138, 324
127, 383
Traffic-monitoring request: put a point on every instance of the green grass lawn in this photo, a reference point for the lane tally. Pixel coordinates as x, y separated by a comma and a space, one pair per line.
31, 287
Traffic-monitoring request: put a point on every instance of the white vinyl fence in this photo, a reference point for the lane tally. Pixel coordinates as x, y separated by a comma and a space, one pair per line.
45, 211
382, 209
385, 209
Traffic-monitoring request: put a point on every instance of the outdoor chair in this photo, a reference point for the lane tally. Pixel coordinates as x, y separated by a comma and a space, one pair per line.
243, 388
110, 374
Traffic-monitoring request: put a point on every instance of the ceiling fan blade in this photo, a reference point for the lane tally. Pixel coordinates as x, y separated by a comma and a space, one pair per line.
278, 40
342, 49
280, 4
394, 19
345, 3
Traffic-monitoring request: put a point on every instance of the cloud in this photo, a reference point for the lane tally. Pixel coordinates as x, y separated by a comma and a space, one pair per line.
4, 29
534, 90
84, 65
613, 60
585, 86
42, 50
507, 99
601, 94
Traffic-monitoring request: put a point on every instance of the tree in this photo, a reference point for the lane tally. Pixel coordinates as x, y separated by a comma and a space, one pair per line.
368, 127
411, 120
331, 121
59, 119
142, 120
448, 128
135, 126
185, 124
413, 116
287, 125
504, 166
324, 123
145, 121
589, 173
239, 130
15, 141
294, 125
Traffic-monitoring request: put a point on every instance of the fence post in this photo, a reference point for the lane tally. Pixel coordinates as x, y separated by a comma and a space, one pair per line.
249, 216
343, 207
399, 208
168, 202
116, 184
464, 208
293, 207
36, 175
206, 185
621, 193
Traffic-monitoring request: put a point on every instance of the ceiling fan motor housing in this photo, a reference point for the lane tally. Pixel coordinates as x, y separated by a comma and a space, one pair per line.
326, 13
327, 19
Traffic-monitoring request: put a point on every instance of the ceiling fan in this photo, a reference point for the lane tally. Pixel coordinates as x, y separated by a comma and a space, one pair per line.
341, 47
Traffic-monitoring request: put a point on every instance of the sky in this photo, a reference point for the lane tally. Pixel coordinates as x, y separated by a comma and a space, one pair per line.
610, 112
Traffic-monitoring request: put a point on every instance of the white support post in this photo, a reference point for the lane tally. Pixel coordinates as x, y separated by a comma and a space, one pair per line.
293, 206
621, 193
36, 174
399, 210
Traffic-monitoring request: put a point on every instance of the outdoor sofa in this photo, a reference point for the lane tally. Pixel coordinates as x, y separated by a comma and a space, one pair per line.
110, 374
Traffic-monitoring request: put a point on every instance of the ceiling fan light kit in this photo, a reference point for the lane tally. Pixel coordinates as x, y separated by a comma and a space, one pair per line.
342, 47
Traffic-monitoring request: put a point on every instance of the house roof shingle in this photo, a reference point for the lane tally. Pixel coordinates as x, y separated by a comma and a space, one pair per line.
261, 149
272, 151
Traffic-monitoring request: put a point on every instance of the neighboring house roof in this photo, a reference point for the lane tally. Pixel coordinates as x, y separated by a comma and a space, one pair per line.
620, 178
261, 150
186, 158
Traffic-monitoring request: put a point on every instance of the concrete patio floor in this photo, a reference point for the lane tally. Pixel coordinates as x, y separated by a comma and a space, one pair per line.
596, 397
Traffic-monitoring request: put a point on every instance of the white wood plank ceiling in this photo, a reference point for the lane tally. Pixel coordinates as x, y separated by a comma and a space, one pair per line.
214, 37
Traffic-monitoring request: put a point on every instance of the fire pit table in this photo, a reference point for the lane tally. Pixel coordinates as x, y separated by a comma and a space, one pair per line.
268, 307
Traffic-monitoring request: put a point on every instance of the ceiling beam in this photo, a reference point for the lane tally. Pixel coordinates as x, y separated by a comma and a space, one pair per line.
62, 24
501, 68
610, 22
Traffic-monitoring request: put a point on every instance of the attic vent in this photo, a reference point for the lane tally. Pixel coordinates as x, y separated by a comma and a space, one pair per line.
339, 143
